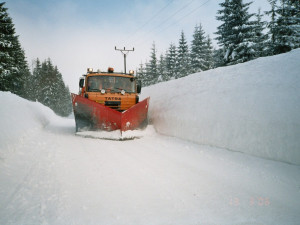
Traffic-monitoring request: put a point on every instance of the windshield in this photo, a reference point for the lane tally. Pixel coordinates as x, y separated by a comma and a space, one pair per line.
111, 83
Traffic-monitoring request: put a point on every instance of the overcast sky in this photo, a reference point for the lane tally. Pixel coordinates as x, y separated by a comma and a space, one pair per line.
76, 34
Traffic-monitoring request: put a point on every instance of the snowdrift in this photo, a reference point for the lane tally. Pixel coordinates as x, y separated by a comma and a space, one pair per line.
21, 118
252, 107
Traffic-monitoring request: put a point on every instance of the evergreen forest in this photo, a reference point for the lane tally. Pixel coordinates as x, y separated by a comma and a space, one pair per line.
44, 84
241, 37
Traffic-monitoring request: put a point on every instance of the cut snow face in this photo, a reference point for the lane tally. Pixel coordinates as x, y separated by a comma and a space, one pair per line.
252, 107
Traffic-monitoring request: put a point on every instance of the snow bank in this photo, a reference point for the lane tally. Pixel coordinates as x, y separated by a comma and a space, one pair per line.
20, 118
252, 107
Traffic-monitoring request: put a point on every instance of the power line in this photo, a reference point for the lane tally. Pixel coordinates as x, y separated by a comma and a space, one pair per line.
191, 12
186, 5
165, 28
162, 9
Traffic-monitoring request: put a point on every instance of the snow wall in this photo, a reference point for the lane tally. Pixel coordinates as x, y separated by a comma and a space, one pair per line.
252, 107
19, 118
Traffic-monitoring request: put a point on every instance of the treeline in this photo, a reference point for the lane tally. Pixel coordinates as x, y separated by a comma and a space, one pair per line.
47, 87
43, 84
241, 37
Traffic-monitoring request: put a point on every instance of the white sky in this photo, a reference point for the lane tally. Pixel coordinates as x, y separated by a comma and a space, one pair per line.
83, 33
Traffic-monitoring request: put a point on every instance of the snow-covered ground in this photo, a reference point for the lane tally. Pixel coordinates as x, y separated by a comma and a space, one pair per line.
49, 175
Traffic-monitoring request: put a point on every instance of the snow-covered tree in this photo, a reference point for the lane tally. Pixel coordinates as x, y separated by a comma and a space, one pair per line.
287, 28
260, 39
183, 57
234, 34
170, 62
272, 27
147, 80
13, 66
284, 26
152, 66
209, 57
161, 69
141, 74
198, 50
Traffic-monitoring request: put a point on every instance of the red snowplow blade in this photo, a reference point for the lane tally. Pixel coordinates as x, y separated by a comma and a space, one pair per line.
95, 116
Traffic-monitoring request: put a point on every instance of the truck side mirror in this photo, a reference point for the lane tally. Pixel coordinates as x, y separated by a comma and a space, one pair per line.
81, 82
139, 86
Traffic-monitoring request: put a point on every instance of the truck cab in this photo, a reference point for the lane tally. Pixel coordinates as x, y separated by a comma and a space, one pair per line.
118, 91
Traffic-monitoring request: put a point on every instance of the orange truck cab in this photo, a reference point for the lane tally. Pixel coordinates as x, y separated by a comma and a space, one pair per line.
118, 91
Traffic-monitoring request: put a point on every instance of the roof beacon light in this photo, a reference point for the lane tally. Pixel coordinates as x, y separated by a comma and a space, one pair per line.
110, 70
131, 72
89, 70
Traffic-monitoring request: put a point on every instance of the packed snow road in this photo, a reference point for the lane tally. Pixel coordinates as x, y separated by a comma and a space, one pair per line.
52, 176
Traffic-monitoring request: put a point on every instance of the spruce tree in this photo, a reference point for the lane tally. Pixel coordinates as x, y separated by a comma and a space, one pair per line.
141, 74
287, 27
209, 58
148, 80
260, 39
198, 50
152, 66
235, 35
223, 32
271, 46
36, 79
161, 69
171, 57
183, 58
13, 66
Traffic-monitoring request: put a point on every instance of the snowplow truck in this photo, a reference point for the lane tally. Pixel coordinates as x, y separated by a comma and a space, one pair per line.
109, 101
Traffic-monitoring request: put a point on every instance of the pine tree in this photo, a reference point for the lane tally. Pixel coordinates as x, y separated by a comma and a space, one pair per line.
183, 59
148, 80
209, 58
36, 79
284, 27
235, 33
198, 50
161, 69
260, 39
287, 26
13, 66
223, 32
152, 66
272, 28
141, 74
170, 62
60, 94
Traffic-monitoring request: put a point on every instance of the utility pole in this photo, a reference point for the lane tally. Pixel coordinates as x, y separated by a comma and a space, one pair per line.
125, 53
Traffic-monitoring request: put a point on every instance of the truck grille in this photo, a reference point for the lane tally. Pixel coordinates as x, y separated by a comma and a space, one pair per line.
113, 104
